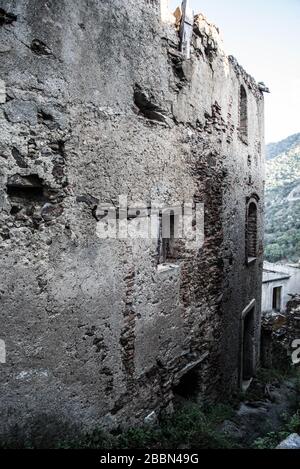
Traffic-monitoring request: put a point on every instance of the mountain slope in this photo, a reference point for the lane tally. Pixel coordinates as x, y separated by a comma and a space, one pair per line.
282, 233
275, 149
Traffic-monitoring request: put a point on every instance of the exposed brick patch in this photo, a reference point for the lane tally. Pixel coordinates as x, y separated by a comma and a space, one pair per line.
127, 338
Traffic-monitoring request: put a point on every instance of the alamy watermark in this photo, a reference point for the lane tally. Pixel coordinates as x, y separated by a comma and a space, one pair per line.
151, 221
296, 353
2, 351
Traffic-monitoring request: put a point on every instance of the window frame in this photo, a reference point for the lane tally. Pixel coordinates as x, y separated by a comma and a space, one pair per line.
243, 115
251, 259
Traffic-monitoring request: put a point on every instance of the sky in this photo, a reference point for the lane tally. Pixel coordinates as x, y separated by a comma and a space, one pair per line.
264, 36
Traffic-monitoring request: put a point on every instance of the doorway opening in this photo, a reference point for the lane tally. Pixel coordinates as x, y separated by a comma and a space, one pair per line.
276, 300
247, 365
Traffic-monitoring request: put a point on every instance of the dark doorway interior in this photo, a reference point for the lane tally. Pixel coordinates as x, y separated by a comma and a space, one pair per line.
276, 303
188, 386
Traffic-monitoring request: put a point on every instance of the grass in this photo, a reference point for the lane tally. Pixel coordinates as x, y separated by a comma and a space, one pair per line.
266, 376
291, 424
193, 426
190, 427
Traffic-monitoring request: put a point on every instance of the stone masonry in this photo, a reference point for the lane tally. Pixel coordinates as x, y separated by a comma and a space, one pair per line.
280, 336
96, 100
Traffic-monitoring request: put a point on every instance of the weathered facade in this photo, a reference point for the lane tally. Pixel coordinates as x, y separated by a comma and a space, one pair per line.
97, 101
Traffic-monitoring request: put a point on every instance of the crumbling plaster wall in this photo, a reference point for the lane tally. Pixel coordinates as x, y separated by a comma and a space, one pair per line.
94, 332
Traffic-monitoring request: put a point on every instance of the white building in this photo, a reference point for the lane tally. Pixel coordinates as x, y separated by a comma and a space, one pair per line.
279, 281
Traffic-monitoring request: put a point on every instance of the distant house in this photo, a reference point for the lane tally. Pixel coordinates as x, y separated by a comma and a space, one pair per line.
279, 281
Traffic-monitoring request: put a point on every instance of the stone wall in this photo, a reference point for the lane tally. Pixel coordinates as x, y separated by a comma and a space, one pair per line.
279, 331
97, 102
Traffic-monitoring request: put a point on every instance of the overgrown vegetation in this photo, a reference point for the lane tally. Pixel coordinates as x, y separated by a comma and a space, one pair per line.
290, 423
190, 427
198, 427
195, 426
272, 439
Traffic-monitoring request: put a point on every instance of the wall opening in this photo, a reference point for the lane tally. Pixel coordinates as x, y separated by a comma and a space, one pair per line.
147, 106
168, 241
188, 387
243, 114
251, 232
26, 195
170, 224
276, 299
25, 188
247, 364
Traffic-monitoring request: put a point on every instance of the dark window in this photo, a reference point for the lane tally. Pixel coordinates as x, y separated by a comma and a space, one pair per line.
251, 231
243, 114
276, 302
167, 237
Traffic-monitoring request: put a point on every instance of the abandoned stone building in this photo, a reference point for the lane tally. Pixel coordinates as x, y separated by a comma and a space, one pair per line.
98, 99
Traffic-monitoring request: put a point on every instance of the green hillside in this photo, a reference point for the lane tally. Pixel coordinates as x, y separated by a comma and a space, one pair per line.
282, 233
